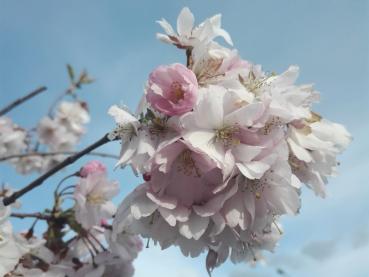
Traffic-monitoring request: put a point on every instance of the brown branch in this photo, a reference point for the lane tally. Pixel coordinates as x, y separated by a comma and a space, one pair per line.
71, 159
189, 61
31, 215
21, 100
46, 154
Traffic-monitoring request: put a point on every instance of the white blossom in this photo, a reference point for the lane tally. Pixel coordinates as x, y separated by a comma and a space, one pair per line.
93, 196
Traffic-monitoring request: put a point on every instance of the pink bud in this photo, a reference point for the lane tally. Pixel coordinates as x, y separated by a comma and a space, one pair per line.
146, 177
92, 167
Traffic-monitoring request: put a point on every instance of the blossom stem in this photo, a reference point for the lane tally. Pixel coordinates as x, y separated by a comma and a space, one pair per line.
63, 191
61, 182
46, 154
68, 161
189, 61
31, 215
21, 100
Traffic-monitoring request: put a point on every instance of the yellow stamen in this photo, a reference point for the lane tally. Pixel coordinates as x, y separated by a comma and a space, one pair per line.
227, 135
95, 199
177, 92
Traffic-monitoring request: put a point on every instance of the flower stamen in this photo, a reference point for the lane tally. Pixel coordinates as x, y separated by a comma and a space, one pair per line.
95, 199
177, 92
228, 135
187, 165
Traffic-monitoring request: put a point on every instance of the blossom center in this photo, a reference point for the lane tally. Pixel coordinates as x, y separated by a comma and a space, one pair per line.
96, 199
187, 164
275, 121
256, 187
177, 92
228, 135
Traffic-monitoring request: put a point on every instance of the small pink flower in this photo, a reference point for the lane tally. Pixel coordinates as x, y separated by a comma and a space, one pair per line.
172, 89
92, 167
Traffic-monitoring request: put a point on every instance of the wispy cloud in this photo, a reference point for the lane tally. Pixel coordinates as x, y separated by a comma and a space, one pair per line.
320, 250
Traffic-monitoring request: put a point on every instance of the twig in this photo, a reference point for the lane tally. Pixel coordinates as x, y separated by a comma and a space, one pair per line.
31, 215
21, 100
45, 154
189, 61
71, 159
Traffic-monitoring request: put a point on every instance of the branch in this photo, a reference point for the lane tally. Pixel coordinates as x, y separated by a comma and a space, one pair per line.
21, 100
71, 159
31, 215
46, 154
189, 61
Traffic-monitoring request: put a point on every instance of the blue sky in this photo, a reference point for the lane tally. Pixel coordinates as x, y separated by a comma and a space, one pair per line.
115, 41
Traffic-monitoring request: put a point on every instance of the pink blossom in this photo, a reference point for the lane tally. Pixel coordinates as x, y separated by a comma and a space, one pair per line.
172, 89
92, 167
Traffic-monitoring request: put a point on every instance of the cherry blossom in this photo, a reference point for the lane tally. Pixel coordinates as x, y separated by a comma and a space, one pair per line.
187, 35
92, 167
223, 148
12, 137
221, 169
93, 194
172, 89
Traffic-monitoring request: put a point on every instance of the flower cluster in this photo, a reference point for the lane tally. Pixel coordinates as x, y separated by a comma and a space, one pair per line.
13, 139
223, 148
55, 134
90, 249
63, 131
39, 148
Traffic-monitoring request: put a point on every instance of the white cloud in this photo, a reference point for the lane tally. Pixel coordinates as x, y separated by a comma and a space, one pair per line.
320, 250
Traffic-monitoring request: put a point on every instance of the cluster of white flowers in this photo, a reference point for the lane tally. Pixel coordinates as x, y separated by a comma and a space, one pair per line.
63, 131
59, 133
93, 251
13, 139
223, 148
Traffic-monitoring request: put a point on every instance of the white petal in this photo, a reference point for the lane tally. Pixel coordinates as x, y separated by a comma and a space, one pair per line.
163, 38
219, 224
253, 170
127, 152
166, 27
121, 116
246, 115
163, 201
246, 153
185, 22
209, 111
300, 152
195, 227
142, 207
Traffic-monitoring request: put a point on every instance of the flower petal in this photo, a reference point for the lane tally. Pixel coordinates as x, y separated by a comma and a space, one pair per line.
185, 22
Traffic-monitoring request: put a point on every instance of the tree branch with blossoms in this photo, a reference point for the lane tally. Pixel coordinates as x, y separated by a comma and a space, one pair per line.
223, 148
68, 161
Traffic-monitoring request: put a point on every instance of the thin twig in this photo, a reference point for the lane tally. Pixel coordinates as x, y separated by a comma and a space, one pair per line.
21, 100
71, 159
31, 215
46, 154
189, 61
